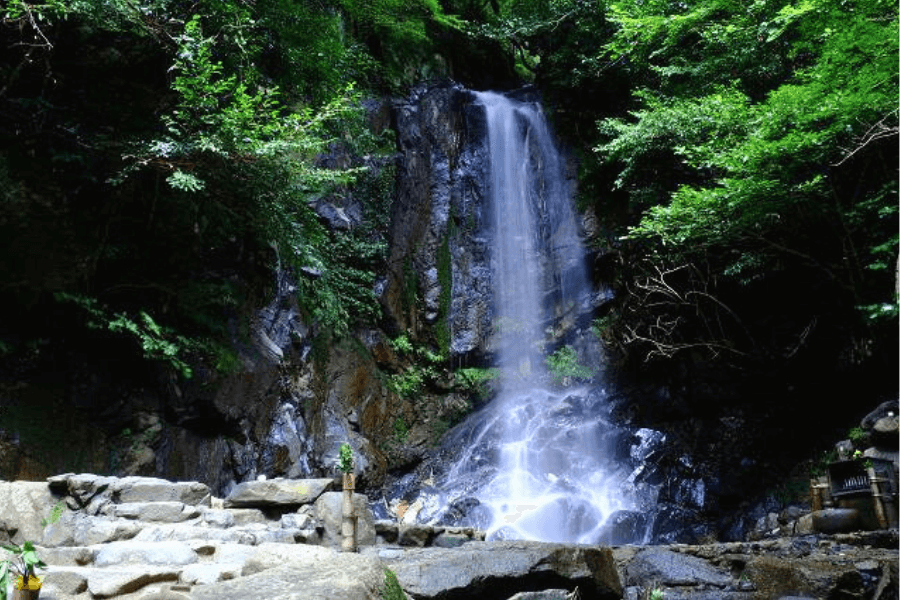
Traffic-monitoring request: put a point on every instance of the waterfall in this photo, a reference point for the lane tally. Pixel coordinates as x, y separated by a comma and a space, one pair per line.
538, 462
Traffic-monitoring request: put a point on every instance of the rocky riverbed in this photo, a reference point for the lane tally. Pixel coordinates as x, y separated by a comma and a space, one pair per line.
147, 538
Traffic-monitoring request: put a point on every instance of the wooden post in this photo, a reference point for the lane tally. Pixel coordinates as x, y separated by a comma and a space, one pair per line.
30, 594
877, 501
348, 514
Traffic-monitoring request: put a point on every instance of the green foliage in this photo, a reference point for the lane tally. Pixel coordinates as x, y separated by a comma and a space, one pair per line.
401, 430
345, 459
22, 564
55, 515
156, 342
391, 589
19, 10
402, 345
425, 367
411, 381
758, 143
476, 380
563, 365
857, 436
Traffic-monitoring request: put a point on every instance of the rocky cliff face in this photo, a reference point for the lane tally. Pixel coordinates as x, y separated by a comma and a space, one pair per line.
292, 398
439, 275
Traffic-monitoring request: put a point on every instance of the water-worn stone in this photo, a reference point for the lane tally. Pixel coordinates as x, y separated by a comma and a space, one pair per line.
184, 532
672, 569
546, 595
247, 516
300, 573
111, 583
94, 492
623, 527
100, 530
156, 553
218, 518
277, 492
441, 137
203, 566
884, 431
152, 489
449, 539
496, 570
203, 574
71, 556
388, 531
234, 553
161, 512
328, 511
23, 504
415, 535
63, 582
835, 520
822, 577
298, 521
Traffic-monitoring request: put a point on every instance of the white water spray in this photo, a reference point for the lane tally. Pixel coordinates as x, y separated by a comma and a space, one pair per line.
553, 480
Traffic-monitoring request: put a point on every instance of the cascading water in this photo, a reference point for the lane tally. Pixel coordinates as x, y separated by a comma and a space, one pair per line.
537, 464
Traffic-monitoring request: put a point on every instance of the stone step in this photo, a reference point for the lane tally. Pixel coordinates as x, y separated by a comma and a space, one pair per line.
111, 582
157, 512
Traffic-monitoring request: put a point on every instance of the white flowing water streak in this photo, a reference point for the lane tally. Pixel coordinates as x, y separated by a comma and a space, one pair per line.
554, 481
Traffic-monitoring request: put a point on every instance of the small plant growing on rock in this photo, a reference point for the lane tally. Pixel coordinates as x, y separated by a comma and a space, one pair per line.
23, 563
55, 514
858, 437
563, 366
391, 589
345, 460
348, 514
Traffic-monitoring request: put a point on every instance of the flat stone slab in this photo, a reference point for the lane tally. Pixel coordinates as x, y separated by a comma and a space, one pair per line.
160, 512
673, 569
183, 532
92, 491
498, 570
300, 573
113, 582
144, 553
77, 529
277, 492
204, 574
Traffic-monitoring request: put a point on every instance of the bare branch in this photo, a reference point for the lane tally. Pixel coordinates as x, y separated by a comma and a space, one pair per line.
878, 131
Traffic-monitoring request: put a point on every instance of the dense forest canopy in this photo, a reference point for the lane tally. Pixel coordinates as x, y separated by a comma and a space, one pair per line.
160, 157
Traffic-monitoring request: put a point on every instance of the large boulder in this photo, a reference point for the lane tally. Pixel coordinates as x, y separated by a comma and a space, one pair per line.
144, 553
23, 505
674, 569
300, 573
94, 493
277, 492
161, 512
328, 512
497, 570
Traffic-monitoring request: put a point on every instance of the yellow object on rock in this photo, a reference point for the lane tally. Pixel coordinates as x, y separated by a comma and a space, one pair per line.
34, 583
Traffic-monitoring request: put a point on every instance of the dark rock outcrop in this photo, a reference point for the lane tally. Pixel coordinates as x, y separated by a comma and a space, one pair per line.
437, 220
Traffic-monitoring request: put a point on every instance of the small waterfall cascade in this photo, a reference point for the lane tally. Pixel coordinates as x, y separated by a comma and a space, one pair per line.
538, 462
